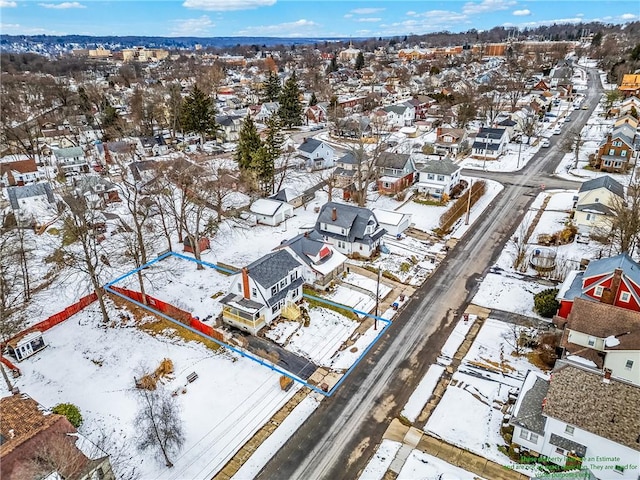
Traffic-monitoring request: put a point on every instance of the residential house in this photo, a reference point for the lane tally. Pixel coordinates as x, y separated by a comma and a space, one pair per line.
316, 155
19, 172
271, 212
605, 336
351, 230
395, 172
347, 169
438, 177
291, 197
35, 443
393, 222
25, 345
612, 280
629, 105
594, 201
626, 119
616, 152
355, 126
450, 141
111, 153
322, 263
267, 109
152, 146
263, 291
579, 418
145, 173
32, 205
398, 116
230, 126
510, 125
70, 160
490, 143
316, 114
421, 104
630, 85
97, 190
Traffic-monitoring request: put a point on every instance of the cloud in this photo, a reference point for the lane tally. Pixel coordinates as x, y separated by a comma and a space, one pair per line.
485, 6
628, 16
368, 19
227, 5
522, 13
411, 13
191, 26
17, 29
348, 15
7, 4
63, 5
367, 11
299, 28
425, 22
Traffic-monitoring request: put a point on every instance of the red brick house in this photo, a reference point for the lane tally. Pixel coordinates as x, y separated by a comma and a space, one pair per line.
615, 152
614, 280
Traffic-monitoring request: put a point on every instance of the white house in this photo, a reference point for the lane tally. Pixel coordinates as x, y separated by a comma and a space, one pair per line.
594, 201
393, 222
438, 177
19, 172
322, 263
400, 115
351, 230
580, 417
33, 204
263, 291
271, 212
70, 160
267, 109
490, 143
315, 154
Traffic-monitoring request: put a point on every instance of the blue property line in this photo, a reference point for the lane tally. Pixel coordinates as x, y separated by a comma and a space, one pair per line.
387, 322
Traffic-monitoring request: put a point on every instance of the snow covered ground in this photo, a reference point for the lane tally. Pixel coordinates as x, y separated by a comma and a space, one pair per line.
508, 292
420, 465
93, 366
422, 393
381, 460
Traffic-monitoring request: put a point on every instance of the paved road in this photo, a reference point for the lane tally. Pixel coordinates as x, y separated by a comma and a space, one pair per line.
341, 435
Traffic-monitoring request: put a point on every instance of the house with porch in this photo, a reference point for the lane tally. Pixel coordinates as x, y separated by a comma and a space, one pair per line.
263, 291
616, 152
594, 202
151, 146
33, 205
322, 263
450, 141
315, 154
70, 160
579, 418
438, 177
230, 126
630, 85
350, 229
398, 116
395, 172
490, 143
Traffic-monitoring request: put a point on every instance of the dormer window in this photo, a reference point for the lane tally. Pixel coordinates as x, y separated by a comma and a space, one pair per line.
598, 292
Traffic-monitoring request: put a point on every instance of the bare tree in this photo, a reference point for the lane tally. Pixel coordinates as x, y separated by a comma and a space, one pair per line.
624, 224
573, 143
159, 423
519, 242
11, 293
81, 224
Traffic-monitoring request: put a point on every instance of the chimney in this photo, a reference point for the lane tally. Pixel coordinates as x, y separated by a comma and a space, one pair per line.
245, 283
12, 433
334, 214
615, 283
438, 132
607, 375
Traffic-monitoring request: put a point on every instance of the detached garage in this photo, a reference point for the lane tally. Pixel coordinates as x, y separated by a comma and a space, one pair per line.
271, 212
394, 222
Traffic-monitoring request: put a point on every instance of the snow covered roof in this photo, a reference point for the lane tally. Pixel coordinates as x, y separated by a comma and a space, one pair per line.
267, 206
388, 217
29, 191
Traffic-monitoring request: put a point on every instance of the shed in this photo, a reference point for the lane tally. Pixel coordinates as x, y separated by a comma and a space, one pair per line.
204, 243
271, 212
24, 346
394, 222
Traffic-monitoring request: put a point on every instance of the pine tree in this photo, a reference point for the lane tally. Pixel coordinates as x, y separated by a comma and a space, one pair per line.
248, 143
199, 113
272, 88
262, 166
359, 61
333, 66
290, 107
313, 100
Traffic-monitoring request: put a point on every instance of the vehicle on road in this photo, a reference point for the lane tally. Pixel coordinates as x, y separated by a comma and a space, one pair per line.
567, 119
557, 131
545, 143
585, 107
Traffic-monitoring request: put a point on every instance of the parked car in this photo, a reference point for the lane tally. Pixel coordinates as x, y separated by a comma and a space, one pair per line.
557, 131
567, 119
545, 143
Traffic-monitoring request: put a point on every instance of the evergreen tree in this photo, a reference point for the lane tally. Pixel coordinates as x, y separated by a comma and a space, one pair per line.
290, 107
248, 143
198, 113
272, 88
333, 66
313, 100
262, 166
359, 61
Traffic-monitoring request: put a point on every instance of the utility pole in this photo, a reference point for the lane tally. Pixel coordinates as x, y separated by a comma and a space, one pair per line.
466, 221
486, 142
375, 319
519, 150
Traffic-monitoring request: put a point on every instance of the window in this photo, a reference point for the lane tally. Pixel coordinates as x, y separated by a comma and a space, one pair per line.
240, 287
430, 176
588, 216
612, 151
629, 364
591, 341
623, 153
559, 451
254, 292
625, 297
274, 290
529, 436
441, 178
598, 291
274, 309
569, 430
618, 468
283, 283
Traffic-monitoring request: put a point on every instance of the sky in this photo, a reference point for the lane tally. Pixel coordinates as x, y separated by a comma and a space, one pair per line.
297, 18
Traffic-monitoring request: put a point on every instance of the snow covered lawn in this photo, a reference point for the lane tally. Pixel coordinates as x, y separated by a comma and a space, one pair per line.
456, 338
381, 460
420, 465
368, 284
422, 393
93, 366
352, 298
502, 291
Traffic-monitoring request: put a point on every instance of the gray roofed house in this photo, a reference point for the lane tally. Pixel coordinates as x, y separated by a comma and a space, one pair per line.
527, 412
603, 182
71, 159
350, 229
272, 268
438, 177
489, 143
316, 154
32, 204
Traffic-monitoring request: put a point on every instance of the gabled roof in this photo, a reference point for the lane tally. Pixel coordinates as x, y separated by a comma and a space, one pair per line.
70, 152
440, 167
350, 217
393, 160
623, 261
397, 109
267, 206
20, 166
490, 133
603, 182
309, 145
272, 268
28, 191
579, 397
528, 408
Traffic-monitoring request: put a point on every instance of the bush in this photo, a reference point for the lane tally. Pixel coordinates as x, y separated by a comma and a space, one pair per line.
70, 411
545, 302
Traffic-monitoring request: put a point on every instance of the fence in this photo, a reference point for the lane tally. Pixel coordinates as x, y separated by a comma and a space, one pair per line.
172, 311
59, 317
